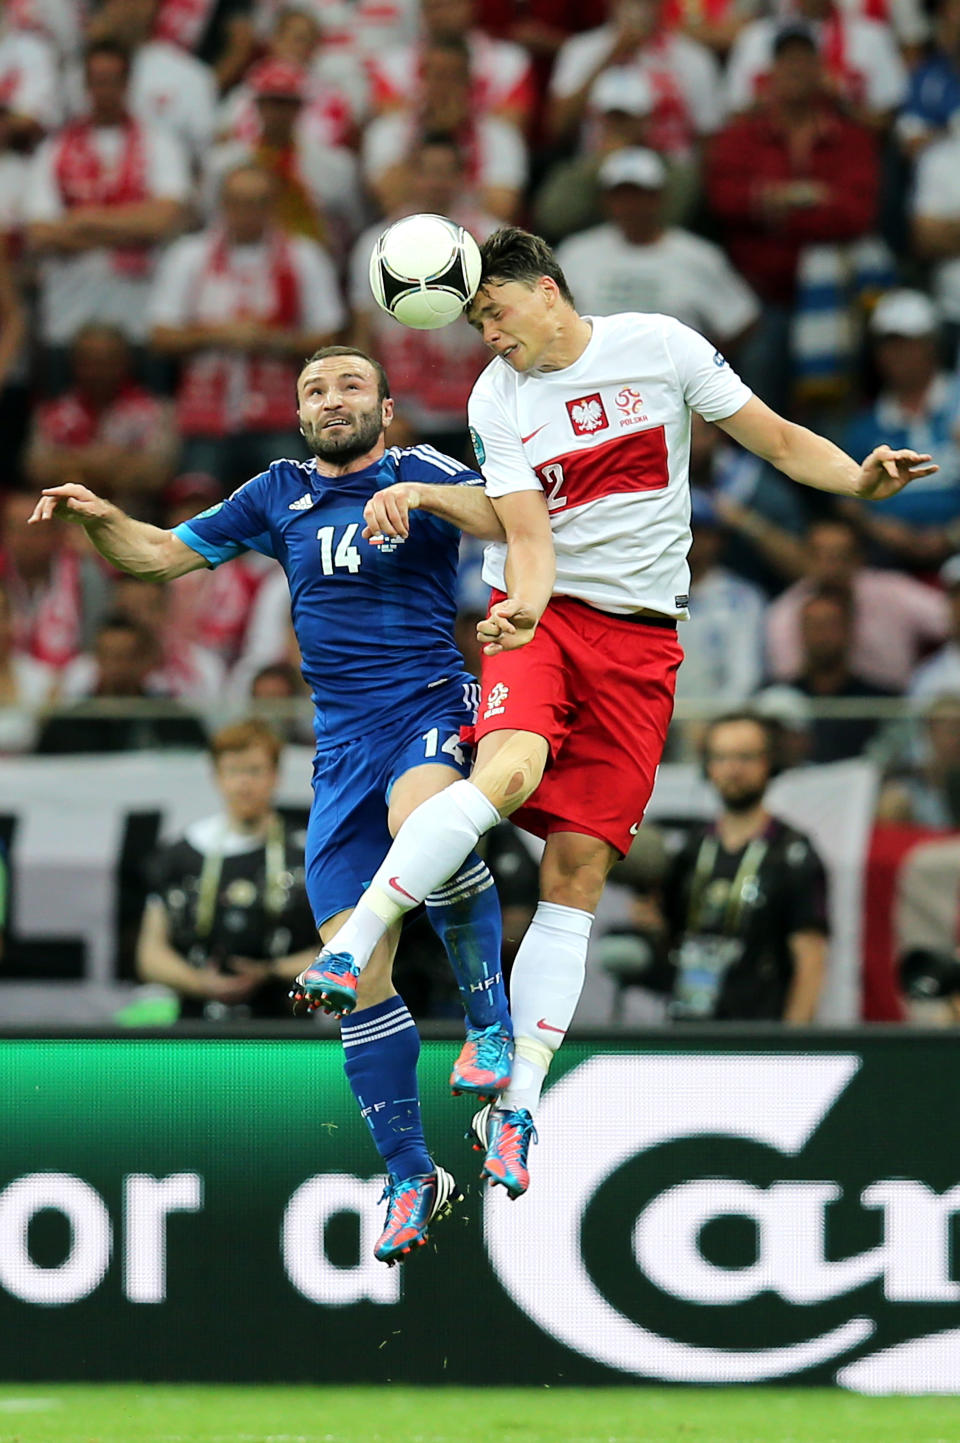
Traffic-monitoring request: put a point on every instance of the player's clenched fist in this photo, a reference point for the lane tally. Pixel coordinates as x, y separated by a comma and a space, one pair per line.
70, 502
510, 625
387, 513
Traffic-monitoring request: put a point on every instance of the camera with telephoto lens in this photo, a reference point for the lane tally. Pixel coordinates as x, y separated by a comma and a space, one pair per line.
926, 975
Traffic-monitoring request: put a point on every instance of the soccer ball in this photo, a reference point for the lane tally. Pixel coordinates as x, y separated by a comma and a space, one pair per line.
424, 270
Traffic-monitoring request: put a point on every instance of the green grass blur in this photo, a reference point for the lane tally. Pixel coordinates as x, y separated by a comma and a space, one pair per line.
50, 1413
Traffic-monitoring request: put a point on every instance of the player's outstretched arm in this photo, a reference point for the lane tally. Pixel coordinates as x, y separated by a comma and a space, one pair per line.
530, 571
814, 461
130, 545
387, 513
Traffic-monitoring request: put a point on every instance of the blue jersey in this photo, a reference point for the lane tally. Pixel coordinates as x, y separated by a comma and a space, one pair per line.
374, 623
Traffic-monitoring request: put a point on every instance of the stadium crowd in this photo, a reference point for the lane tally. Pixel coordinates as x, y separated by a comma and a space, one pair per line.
189, 194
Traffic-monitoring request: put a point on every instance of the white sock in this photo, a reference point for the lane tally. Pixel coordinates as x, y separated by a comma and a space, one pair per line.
428, 849
545, 988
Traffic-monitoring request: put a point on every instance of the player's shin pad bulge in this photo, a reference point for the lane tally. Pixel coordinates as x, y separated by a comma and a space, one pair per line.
513, 772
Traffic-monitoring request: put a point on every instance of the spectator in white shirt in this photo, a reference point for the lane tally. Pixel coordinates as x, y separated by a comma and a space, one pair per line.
860, 56
495, 150
168, 85
501, 74
102, 195
684, 75
636, 263
29, 88
240, 304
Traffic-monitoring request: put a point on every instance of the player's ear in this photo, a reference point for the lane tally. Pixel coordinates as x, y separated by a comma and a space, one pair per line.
386, 411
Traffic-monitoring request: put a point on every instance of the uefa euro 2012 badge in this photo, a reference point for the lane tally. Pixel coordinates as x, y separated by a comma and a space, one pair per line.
478, 447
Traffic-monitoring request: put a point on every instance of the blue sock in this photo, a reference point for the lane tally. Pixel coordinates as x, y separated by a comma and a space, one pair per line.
465, 914
381, 1046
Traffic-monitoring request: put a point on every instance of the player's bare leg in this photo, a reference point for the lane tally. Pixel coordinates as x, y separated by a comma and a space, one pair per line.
545, 988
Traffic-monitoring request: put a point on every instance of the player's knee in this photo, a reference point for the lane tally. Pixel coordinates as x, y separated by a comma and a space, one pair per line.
513, 773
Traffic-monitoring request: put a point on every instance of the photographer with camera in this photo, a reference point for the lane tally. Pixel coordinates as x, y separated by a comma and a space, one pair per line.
227, 925
736, 930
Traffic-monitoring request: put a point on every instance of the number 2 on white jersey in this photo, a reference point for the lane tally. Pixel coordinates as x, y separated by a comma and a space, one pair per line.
346, 557
553, 473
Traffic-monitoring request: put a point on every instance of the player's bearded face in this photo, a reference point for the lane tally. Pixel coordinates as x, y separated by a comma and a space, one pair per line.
345, 436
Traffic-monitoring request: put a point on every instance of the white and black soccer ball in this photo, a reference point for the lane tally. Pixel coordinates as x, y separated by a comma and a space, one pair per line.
424, 270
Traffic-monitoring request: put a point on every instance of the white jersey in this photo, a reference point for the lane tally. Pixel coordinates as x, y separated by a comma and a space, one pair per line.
608, 442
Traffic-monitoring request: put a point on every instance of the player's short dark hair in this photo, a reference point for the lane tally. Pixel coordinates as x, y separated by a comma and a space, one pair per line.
383, 384
240, 736
106, 46
512, 254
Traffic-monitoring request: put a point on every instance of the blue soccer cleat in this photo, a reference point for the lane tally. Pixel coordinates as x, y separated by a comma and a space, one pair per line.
485, 1062
504, 1136
412, 1205
329, 982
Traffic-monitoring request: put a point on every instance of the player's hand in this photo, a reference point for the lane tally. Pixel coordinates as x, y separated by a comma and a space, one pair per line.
885, 472
70, 502
387, 513
510, 625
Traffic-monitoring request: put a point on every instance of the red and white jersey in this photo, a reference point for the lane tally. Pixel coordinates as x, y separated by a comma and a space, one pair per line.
608, 442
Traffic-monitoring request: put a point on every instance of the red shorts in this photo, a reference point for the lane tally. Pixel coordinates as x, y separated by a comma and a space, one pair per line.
599, 689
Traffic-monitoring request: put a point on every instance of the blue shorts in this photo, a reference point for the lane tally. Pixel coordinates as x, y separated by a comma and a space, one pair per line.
347, 836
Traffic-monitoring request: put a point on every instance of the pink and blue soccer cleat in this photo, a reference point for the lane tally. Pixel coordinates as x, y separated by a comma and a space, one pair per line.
485, 1062
504, 1136
329, 982
412, 1205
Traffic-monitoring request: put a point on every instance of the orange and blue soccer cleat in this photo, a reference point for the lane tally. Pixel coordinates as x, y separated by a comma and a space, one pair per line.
485, 1062
504, 1136
412, 1205
329, 982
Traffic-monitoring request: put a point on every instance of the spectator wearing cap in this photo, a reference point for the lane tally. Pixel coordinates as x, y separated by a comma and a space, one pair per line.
338, 89
211, 607
570, 197
635, 262
863, 67
918, 405
940, 673
239, 305
102, 195
105, 431
317, 187
431, 372
683, 75
723, 642
794, 172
